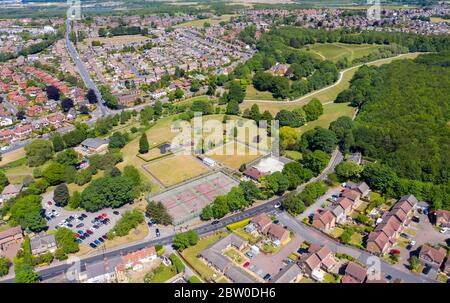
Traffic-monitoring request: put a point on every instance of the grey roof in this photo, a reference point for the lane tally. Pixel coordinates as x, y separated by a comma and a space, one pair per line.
355, 157
103, 267
12, 189
42, 241
232, 239
216, 258
239, 275
337, 211
410, 198
289, 273
94, 142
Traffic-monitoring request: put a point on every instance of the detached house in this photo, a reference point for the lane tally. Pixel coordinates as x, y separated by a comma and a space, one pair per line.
278, 234
262, 222
431, 256
324, 219
354, 273
42, 244
442, 218
317, 259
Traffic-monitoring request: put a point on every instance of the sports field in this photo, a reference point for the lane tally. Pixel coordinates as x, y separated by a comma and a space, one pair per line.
234, 154
175, 169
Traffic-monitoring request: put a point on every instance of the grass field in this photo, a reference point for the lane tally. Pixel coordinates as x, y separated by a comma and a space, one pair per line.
253, 94
438, 20
331, 112
176, 169
337, 51
212, 20
117, 40
325, 95
234, 154
12, 156
190, 255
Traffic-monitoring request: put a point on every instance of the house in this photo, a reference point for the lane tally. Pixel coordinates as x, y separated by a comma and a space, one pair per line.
42, 244
354, 273
353, 195
94, 146
278, 234
253, 173
6, 135
290, 274
56, 120
378, 243
362, 188
317, 259
431, 256
103, 271
138, 259
324, 219
279, 69
355, 157
10, 241
324, 254
262, 222
442, 218
309, 263
10, 191
22, 131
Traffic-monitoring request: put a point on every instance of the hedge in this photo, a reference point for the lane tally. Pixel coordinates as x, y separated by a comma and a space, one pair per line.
239, 224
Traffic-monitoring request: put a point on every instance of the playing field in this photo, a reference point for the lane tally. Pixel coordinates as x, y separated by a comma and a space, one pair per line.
234, 154
212, 20
175, 169
338, 51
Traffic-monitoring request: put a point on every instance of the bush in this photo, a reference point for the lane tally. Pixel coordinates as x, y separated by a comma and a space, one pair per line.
4, 266
194, 279
186, 239
130, 219
177, 262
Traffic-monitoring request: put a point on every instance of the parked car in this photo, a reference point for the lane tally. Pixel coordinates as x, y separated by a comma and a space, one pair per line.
416, 219
97, 242
267, 277
84, 216
395, 251
101, 239
116, 213
215, 222
89, 231
80, 225
92, 245
157, 232
79, 241
249, 254
246, 264
277, 205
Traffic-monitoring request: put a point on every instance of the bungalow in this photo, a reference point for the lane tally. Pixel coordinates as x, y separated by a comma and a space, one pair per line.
253, 173
94, 145
10, 191
354, 273
42, 244
324, 219
103, 271
290, 274
431, 256
442, 218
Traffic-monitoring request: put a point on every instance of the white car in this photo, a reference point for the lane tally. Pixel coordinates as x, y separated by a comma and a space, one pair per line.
277, 205
444, 230
56, 213
412, 243
4, 148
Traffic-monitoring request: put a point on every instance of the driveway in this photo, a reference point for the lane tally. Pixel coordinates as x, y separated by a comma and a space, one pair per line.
273, 263
320, 201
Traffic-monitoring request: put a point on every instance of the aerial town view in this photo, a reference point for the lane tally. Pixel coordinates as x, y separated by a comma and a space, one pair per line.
284, 141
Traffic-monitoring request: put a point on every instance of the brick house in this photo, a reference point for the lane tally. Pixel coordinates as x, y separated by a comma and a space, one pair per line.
324, 219
431, 256
442, 218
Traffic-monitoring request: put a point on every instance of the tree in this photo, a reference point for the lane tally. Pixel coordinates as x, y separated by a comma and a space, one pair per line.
313, 109
288, 137
184, 240
296, 174
26, 275
220, 207
250, 190
316, 161
26, 211
379, 176
52, 92
38, 152
414, 263
3, 181
277, 183
143, 144
67, 104
131, 173
61, 195
179, 93
117, 140
235, 92
158, 212
68, 157
254, 113
232, 108
293, 204
342, 128
75, 200
58, 142
4, 266
54, 173
67, 240
288, 118
91, 96
348, 170
179, 265
318, 139
128, 221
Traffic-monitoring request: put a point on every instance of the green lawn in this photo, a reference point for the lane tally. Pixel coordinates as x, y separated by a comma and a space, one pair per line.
337, 51
162, 273
253, 94
190, 255
356, 239
329, 278
331, 112
293, 155
201, 22
337, 232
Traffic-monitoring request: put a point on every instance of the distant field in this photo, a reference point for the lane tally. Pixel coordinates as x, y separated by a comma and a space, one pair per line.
200, 22
438, 20
337, 51
12, 156
176, 169
116, 40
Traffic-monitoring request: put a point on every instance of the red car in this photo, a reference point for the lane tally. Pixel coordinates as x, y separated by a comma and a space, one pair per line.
89, 231
104, 215
395, 251
246, 264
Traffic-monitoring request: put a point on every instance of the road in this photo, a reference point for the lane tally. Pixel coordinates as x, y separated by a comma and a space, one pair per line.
58, 268
314, 236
